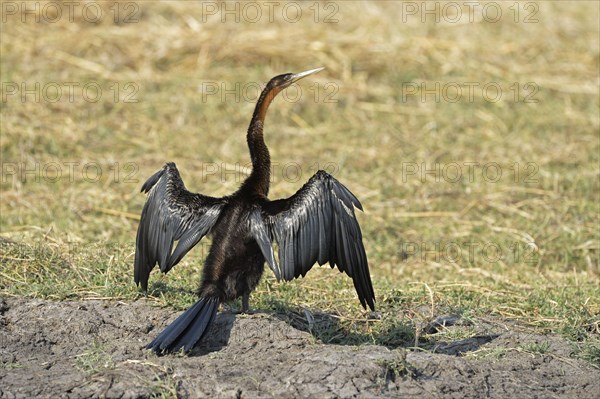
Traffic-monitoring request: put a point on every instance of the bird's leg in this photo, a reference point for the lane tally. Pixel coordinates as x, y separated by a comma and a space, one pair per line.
246, 302
245, 305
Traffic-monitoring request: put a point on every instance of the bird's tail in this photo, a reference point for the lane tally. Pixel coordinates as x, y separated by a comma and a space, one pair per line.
187, 329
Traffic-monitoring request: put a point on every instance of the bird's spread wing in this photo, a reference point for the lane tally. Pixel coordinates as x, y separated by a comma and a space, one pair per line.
171, 213
317, 224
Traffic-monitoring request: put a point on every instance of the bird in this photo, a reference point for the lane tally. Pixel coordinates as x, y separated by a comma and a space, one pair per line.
315, 225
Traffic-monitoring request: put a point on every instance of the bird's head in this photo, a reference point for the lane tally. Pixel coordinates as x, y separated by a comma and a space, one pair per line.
276, 85
281, 82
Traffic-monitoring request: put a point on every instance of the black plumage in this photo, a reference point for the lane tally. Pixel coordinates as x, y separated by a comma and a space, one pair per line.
315, 225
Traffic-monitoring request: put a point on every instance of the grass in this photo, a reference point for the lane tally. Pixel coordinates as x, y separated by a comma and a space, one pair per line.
522, 246
536, 347
531, 348
398, 368
12, 365
94, 360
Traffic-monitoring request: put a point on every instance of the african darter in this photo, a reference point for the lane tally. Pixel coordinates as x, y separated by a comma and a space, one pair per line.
315, 225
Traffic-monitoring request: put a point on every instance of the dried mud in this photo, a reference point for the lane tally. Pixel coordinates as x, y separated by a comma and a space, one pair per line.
95, 349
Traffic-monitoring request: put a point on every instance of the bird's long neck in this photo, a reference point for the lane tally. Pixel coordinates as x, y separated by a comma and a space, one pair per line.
259, 153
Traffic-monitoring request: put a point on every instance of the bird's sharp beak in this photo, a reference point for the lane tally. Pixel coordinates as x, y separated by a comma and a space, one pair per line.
296, 77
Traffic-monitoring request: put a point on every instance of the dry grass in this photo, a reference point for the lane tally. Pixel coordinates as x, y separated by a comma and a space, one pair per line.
525, 247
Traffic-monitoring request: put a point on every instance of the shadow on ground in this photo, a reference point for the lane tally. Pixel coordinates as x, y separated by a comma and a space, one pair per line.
327, 329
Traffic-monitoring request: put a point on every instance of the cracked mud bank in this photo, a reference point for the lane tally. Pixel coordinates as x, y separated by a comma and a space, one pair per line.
95, 349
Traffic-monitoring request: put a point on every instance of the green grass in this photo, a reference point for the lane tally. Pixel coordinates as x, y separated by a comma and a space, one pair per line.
398, 368
524, 248
94, 360
536, 347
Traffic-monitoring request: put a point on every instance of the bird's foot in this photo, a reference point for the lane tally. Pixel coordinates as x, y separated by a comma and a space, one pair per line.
243, 311
246, 304
245, 307
236, 310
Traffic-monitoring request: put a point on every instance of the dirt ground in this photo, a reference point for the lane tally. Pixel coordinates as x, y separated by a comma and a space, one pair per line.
95, 349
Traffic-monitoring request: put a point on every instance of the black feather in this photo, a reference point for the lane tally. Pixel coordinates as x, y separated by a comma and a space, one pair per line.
317, 224
171, 213
187, 329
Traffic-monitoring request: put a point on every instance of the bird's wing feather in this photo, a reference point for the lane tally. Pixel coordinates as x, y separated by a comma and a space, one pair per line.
171, 213
315, 225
